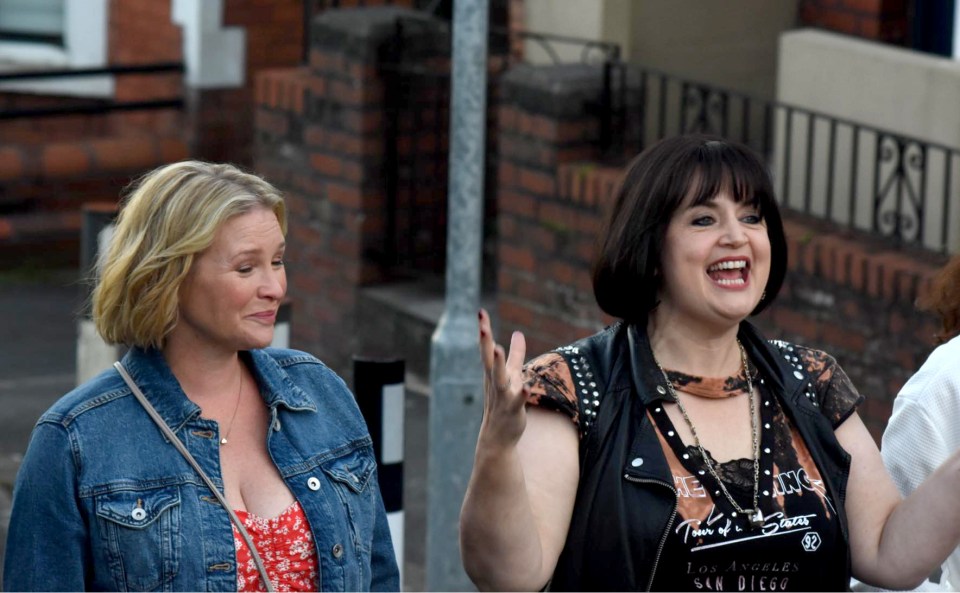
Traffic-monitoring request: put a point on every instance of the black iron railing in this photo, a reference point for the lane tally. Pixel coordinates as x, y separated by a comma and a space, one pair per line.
859, 176
81, 107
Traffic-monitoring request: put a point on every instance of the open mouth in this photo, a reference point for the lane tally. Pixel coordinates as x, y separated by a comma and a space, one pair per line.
731, 272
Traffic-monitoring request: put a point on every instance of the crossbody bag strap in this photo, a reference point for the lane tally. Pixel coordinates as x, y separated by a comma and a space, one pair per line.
155, 416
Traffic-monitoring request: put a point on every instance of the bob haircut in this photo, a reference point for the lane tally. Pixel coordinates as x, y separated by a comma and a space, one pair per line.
676, 172
171, 215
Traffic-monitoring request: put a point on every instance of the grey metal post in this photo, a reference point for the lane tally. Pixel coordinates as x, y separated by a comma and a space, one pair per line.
456, 400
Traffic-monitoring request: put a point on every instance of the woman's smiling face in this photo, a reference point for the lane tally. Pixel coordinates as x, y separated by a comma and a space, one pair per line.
716, 261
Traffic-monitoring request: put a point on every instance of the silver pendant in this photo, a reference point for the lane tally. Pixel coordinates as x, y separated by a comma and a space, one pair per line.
756, 519
223, 441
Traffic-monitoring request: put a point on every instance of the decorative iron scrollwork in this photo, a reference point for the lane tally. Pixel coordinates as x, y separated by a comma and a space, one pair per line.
703, 110
900, 180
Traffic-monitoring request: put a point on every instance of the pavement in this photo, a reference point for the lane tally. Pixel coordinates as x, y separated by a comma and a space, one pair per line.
38, 317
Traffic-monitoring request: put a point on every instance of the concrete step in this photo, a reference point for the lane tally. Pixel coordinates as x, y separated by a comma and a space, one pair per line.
397, 320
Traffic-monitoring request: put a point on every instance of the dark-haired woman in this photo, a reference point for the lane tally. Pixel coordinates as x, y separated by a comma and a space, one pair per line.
924, 430
689, 453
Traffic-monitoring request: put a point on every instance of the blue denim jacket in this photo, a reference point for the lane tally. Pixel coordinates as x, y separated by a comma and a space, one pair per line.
95, 456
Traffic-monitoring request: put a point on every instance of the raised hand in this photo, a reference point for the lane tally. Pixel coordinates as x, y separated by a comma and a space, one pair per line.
504, 390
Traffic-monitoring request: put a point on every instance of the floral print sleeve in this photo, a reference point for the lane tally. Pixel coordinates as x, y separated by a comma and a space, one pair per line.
551, 385
838, 397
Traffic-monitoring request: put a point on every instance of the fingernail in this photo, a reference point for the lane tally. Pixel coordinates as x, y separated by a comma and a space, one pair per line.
480, 314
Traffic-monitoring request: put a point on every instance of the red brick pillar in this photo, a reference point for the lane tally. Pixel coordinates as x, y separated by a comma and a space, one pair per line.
549, 203
319, 138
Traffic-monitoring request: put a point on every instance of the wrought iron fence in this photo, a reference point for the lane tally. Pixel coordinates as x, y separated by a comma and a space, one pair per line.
858, 176
88, 106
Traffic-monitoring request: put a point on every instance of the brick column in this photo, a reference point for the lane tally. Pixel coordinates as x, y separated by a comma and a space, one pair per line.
548, 139
320, 140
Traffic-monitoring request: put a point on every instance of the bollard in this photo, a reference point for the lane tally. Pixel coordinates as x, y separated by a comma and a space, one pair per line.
379, 389
93, 354
281, 329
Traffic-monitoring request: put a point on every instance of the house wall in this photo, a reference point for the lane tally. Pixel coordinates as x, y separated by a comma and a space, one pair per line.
731, 44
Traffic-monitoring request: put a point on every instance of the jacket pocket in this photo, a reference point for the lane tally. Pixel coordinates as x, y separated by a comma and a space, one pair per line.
352, 470
141, 536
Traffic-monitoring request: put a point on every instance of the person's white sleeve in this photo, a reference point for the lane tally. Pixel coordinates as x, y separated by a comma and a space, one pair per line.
923, 430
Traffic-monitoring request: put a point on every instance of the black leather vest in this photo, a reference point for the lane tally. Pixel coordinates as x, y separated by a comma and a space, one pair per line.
624, 507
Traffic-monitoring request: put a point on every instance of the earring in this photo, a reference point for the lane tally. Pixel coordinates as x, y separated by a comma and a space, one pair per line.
763, 295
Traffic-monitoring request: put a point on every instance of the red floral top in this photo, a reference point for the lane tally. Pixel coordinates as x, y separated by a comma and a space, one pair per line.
286, 547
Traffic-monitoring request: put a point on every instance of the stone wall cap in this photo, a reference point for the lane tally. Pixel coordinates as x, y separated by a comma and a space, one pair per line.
361, 31
558, 90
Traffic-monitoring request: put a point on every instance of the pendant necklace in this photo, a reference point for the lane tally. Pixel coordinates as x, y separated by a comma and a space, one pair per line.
226, 435
755, 516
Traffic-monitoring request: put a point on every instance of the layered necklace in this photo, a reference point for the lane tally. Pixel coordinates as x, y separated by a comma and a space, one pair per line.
755, 516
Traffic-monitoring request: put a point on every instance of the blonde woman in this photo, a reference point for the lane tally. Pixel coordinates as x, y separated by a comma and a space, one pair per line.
191, 283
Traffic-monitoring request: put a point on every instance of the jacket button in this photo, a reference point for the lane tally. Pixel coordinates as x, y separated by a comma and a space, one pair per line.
637, 462
313, 483
138, 514
337, 551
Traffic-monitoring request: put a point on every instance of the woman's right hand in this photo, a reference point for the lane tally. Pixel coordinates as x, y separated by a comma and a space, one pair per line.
504, 390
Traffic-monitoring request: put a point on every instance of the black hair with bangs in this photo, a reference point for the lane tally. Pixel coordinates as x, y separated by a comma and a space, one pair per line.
679, 171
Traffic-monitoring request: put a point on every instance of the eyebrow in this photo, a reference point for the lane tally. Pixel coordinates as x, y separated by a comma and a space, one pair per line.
255, 250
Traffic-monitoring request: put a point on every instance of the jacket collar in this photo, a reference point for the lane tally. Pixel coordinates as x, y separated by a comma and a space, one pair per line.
646, 375
153, 376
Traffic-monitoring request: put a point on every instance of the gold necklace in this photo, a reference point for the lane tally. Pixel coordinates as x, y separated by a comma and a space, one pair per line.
755, 516
226, 435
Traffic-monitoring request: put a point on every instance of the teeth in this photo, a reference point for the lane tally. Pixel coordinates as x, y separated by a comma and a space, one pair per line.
728, 265
735, 282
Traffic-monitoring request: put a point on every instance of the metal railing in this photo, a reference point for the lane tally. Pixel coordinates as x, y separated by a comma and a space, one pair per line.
88, 106
862, 177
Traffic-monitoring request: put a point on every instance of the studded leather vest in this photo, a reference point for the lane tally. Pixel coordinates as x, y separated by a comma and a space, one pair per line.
624, 507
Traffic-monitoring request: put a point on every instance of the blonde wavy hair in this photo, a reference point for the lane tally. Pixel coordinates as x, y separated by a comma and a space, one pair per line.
170, 215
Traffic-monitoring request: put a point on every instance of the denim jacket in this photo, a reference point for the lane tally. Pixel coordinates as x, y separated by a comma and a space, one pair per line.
95, 456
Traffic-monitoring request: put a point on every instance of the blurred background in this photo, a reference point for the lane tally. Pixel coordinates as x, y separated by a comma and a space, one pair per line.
345, 107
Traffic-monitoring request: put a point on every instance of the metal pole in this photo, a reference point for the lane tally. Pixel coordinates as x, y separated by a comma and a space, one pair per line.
456, 400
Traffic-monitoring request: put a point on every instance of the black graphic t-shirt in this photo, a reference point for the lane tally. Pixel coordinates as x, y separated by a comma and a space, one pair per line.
710, 547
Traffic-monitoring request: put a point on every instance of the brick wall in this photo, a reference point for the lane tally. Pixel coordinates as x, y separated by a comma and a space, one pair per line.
144, 33
850, 296
94, 156
319, 137
880, 20
43, 188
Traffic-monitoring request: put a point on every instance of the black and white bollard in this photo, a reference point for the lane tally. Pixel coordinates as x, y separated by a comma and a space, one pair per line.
281, 329
379, 389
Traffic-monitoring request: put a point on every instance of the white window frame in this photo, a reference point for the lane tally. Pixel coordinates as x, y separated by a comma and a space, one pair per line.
84, 46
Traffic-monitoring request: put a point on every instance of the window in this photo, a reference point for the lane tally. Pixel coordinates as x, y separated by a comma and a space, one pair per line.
39, 34
36, 21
